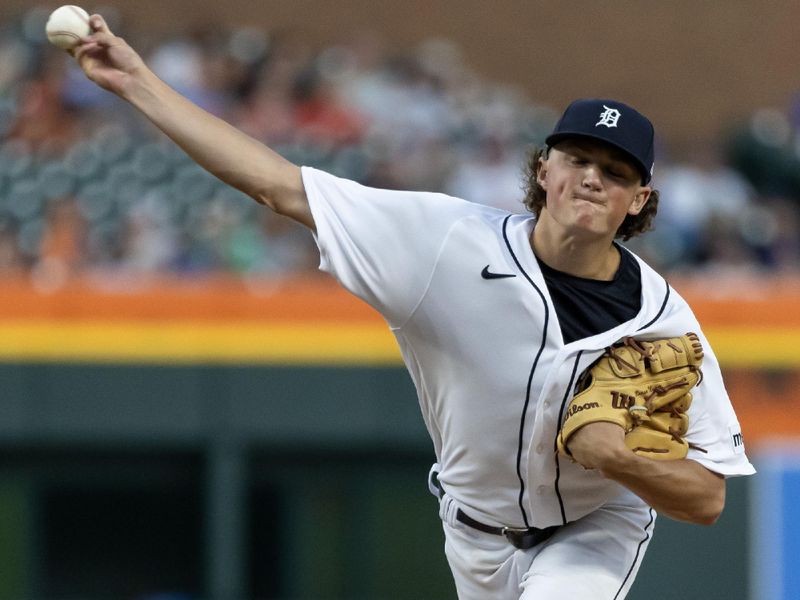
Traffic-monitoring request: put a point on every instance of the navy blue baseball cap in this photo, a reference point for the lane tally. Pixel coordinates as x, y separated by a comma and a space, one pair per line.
612, 122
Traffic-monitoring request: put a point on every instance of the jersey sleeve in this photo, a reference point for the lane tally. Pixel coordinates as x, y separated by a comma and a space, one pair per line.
713, 426
381, 245
714, 429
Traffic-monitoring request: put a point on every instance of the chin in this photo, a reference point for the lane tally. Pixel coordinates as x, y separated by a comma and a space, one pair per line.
588, 232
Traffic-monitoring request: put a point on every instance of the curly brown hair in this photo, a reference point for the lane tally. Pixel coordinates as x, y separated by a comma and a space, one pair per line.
535, 198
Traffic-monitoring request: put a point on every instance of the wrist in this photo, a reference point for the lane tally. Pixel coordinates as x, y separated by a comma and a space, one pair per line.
139, 86
617, 462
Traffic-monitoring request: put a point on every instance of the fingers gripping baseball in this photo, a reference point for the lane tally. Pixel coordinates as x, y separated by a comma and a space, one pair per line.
642, 386
98, 24
99, 37
105, 58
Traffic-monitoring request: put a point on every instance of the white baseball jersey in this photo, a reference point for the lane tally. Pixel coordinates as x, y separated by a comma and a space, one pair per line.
492, 372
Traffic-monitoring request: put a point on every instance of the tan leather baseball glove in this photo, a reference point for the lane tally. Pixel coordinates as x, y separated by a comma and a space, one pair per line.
644, 387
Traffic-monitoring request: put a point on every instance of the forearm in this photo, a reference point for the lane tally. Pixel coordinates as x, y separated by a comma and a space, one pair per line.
681, 489
220, 148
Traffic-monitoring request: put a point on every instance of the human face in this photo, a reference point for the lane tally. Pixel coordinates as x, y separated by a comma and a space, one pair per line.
591, 187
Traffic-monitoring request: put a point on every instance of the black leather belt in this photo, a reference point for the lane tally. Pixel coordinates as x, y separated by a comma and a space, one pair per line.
519, 537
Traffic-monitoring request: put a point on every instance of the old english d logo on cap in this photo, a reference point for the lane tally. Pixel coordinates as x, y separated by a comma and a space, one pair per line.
608, 117
612, 122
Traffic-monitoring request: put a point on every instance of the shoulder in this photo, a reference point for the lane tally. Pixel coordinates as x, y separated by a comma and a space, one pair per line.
648, 272
653, 282
421, 206
660, 300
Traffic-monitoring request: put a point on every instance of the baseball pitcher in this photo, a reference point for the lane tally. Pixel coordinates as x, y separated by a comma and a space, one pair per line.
569, 391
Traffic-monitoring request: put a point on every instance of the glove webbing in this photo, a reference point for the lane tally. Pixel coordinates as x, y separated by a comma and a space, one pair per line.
636, 411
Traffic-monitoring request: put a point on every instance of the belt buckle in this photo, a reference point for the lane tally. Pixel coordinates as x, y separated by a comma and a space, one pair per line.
519, 537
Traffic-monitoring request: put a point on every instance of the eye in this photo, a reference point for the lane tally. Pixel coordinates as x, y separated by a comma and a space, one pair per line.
618, 173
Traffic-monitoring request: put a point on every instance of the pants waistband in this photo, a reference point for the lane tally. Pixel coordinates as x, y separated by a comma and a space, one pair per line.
522, 538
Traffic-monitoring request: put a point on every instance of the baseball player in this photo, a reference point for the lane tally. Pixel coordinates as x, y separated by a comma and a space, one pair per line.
497, 316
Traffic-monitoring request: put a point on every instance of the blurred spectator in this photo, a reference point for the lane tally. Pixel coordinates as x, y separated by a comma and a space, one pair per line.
42, 119
267, 113
64, 236
765, 151
61, 247
201, 68
319, 116
491, 176
698, 195
723, 249
11, 261
772, 229
270, 246
148, 238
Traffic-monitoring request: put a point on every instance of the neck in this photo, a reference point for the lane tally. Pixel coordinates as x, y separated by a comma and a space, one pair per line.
591, 259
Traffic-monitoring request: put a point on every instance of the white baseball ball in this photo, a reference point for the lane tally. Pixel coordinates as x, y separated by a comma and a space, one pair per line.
67, 25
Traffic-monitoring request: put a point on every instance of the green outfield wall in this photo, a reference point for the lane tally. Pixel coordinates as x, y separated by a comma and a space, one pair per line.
229, 483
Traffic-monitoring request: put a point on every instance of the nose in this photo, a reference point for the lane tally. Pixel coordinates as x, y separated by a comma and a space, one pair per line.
591, 177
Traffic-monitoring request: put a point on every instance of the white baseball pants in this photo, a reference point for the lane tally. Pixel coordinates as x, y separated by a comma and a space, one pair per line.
594, 558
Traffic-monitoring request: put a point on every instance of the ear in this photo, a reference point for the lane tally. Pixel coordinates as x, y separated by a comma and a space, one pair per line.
639, 200
541, 173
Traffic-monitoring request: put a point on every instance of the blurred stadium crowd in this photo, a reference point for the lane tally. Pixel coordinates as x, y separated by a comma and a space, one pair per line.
88, 186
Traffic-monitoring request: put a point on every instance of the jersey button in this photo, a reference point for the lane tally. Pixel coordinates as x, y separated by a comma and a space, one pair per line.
546, 404
540, 490
540, 449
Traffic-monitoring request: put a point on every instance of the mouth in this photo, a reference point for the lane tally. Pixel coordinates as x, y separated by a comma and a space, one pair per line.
587, 198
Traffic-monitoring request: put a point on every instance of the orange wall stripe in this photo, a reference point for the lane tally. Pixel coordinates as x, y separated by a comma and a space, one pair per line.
755, 302
315, 299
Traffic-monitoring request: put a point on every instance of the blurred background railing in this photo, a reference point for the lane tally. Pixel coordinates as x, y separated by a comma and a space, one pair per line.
191, 410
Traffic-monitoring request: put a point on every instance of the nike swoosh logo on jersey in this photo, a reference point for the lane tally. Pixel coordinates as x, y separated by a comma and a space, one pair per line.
487, 274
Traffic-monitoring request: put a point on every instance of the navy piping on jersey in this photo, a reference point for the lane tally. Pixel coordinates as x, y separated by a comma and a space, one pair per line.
663, 304
530, 375
660, 311
555, 441
638, 551
566, 396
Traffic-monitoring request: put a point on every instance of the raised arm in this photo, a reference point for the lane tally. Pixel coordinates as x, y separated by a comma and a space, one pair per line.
221, 149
